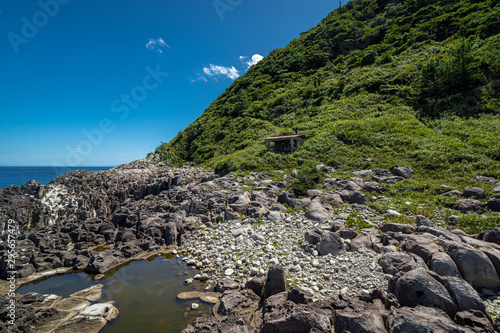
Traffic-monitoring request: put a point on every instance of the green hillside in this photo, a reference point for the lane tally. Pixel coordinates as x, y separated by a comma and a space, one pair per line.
403, 82
409, 82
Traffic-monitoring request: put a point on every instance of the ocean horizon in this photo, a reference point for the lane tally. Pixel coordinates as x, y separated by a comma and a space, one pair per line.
19, 175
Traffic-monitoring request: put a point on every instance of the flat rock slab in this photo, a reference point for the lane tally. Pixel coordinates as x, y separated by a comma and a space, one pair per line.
52, 318
189, 295
208, 297
82, 324
72, 304
91, 294
105, 310
38, 301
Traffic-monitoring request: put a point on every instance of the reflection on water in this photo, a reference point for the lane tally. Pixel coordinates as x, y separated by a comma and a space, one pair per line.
144, 291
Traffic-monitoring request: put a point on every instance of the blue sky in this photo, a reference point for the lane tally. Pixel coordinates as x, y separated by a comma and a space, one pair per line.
101, 83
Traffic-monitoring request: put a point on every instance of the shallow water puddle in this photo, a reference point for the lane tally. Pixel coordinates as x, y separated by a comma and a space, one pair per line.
144, 292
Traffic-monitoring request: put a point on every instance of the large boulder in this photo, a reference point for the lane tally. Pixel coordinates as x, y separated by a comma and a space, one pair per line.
475, 266
373, 187
170, 233
397, 227
292, 317
331, 243
475, 321
359, 317
394, 262
226, 284
439, 232
312, 237
275, 282
494, 203
442, 264
219, 324
420, 319
263, 198
102, 262
492, 236
256, 285
405, 172
238, 304
464, 296
421, 246
256, 210
474, 192
469, 206
319, 210
358, 198
418, 287
363, 173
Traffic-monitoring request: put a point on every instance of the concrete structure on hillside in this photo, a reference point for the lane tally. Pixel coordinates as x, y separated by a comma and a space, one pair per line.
285, 143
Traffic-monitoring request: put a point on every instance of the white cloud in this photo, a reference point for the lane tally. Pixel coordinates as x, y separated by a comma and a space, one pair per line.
250, 62
156, 45
229, 72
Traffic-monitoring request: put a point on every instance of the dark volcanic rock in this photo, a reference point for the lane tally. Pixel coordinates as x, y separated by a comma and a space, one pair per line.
358, 198
104, 261
405, 172
170, 233
474, 320
470, 206
418, 287
360, 317
492, 236
227, 284
420, 319
464, 296
331, 243
442, 264
421, 246
275, 282
256, 285
396, 227
312, 237
220, 324
395, 262
238, 304
474, 192
494, 203
299, 320
475, 266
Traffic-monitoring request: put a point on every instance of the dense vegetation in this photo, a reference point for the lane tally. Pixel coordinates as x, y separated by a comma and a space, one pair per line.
403, 82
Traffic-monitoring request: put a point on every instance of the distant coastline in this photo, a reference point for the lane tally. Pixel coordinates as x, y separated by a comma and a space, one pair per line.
19, 175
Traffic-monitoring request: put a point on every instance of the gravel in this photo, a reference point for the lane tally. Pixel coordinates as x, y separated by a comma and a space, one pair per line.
245, 249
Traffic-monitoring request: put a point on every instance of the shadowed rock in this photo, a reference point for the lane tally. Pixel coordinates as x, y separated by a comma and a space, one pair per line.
475, 266
331, 243
418, 287
275, 282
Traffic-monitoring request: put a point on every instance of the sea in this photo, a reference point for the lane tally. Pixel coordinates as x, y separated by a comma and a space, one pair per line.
19, 175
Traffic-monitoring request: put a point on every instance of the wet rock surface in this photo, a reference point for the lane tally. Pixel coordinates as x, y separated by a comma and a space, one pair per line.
51, 313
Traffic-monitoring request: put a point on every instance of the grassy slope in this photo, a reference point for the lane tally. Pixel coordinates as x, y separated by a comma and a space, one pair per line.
359, 71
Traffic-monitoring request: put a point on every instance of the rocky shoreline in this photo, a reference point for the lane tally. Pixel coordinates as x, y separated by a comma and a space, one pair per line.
280, 263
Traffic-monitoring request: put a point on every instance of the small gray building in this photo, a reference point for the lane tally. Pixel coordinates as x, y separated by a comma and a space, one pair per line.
285, 143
